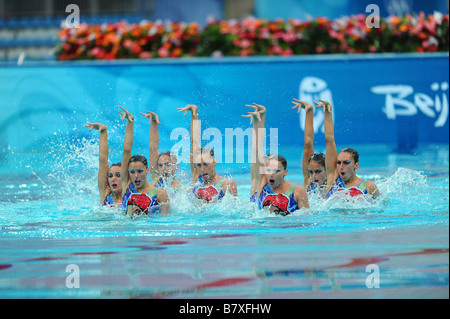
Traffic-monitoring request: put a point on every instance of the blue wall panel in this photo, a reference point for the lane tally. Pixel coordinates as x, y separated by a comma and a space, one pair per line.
334, 9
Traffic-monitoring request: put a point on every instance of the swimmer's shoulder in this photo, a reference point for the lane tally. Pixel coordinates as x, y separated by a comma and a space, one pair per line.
299, 190
300, 196
161, 195
372, 188
230, 185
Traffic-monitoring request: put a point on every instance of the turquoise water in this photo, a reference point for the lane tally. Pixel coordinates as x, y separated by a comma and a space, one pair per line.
50, 219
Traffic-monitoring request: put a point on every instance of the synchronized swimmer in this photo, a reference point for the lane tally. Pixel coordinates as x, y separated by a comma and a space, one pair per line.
108, 178
163, 166
125, 184
270, 190
331, 174
208, 185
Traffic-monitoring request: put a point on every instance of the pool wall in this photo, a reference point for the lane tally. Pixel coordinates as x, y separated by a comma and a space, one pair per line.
399, 99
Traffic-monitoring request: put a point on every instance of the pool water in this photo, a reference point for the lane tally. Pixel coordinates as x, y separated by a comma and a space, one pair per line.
57, 242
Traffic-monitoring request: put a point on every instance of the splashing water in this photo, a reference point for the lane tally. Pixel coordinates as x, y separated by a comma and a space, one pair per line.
66, 190
51, 217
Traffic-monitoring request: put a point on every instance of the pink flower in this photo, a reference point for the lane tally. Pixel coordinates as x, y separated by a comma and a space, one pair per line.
245, 43
128, 44
163, 52
95, 51
289, 37
277, 50
264, 33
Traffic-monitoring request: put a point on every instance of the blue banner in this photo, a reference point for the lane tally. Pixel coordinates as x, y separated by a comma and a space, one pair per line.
398, 99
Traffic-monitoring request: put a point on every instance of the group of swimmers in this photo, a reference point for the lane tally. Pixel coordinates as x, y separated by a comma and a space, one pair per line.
126, 185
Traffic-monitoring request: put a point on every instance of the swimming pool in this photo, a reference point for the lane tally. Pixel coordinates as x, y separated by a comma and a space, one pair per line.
56, 242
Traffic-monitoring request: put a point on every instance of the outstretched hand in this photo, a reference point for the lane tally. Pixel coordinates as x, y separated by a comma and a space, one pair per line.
152, 116
302, 105
259, 110
189, 107
126, 115
96, 126
325, 105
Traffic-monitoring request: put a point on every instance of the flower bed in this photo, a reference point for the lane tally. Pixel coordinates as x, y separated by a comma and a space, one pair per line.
253, 37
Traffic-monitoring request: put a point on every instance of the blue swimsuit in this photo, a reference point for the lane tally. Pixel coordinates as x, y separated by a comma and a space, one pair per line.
144, 203
161, 184
284, 201
109, 201
339, 186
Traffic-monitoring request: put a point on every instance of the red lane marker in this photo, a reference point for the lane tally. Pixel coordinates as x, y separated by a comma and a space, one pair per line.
223, 282
371, 260
173, 242
361, 262
217, 283
5, 267
424, 252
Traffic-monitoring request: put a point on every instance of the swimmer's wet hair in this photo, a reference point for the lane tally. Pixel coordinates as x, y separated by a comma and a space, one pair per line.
353, 153
173, 157
278, 157
138, 158
118, 164
318, 157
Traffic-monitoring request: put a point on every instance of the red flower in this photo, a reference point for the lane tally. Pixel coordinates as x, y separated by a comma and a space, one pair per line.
255, 37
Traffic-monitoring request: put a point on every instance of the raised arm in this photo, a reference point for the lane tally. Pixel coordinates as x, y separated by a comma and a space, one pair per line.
103, 164
127, 147
153, 119
195, 136
308, 147
257, 118
331, 151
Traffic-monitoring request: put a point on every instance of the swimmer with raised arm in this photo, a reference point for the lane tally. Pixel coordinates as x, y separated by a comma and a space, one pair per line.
139, 196
257, 118
163, 166
319, 170
274, 192
108, 178
208, 185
